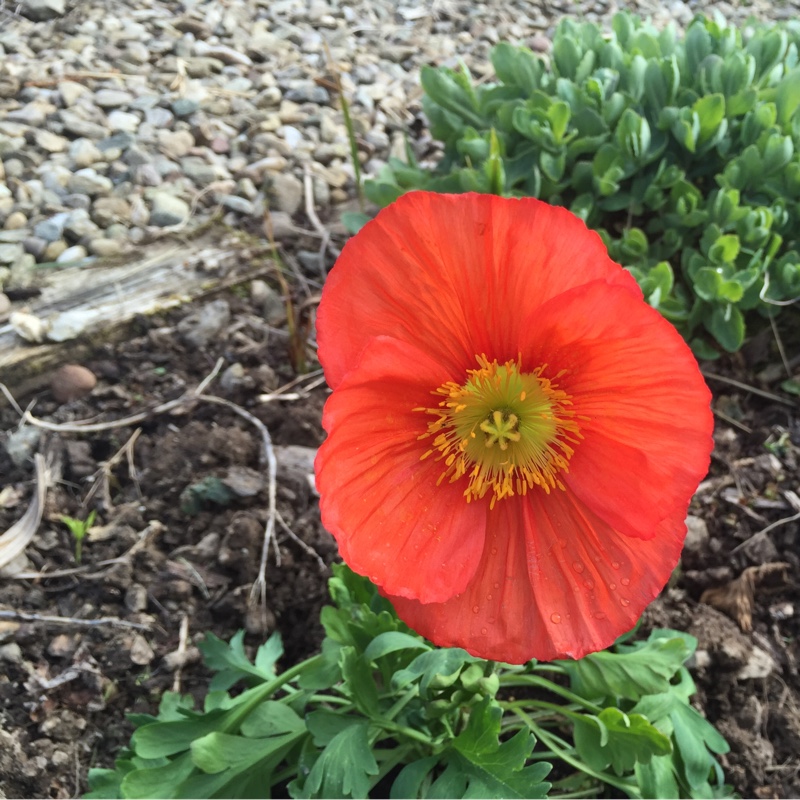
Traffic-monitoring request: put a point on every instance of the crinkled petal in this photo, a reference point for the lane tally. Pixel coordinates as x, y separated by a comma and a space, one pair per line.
555, 581
391, 520
455, 275
641, 402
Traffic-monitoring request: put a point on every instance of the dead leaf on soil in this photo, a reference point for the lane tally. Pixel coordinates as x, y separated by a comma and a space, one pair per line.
737, 597
14, 541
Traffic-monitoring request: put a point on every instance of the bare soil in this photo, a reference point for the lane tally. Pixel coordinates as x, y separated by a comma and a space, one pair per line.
171, 551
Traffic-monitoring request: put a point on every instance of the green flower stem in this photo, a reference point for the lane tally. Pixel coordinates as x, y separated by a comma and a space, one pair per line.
251, 699
550, 741
401, 703
329, 698
402, 730
543, 683
557, 668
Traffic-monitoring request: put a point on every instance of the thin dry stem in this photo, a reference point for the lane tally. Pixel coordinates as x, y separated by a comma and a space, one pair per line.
747, 388
311, 213
134, 419
19, 616
259, 589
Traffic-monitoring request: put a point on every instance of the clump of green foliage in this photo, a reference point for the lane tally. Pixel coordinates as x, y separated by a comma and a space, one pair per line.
684, 153
380, 712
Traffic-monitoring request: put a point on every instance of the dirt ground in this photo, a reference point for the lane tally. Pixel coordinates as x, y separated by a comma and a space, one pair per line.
181, 501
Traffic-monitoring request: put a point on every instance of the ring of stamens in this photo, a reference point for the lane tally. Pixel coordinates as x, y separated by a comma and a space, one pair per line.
503, 429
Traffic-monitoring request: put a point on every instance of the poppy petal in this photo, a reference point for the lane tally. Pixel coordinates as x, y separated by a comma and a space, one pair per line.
449, 273
555, 581
643, 406
382, 503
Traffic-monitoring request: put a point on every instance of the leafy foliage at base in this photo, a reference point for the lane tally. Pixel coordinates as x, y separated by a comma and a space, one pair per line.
380, 712
684, 153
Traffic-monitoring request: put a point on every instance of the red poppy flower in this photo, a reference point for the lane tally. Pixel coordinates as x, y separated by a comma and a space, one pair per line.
514, 435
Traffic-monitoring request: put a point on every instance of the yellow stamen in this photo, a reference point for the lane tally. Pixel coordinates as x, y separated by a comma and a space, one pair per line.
505, 430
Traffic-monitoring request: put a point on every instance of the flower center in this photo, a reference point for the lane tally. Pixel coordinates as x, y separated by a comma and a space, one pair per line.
504, 429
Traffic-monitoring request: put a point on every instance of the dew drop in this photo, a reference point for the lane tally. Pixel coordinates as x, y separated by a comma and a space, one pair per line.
625, 581
488, 597
555, 618
483, 631
599, 615
562, 542
612, 586
624, 601
615, 564
497, 586
475, 609
589, 584
494, 551
577, 566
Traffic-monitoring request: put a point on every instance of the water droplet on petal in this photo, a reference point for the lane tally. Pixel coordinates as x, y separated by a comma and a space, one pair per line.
612, 586
555, 618
589, 584
497, 586
494, 551
577, 566
615, 564
488, 597
624, 601
475, 609
599, 615
484, 631
562, 542
625, 581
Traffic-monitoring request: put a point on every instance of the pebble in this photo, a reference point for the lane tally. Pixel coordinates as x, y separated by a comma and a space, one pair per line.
72, 382
75, 253
168, 210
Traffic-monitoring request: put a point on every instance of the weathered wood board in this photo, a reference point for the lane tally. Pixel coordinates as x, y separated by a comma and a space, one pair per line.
86, 306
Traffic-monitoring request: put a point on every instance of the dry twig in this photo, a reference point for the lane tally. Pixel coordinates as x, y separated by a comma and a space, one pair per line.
259, 589
20, 616
93, 427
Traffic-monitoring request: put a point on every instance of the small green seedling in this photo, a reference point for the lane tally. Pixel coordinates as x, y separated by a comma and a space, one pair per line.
78, 529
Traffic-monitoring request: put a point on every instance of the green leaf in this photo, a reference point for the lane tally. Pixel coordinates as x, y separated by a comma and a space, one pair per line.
787, 98
566, 56
271, 718
359, 681
391, 642
618, 739
632, 675
494, 769
792, 386
408, 782
710, 112
158, 783
344, 766
558, 115
435, 669
442, 87
232, 664
104, 784
354, 221
726, 325
712, 287
220, 751
656, 778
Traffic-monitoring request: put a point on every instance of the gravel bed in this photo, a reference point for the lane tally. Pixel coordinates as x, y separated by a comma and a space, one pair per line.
119, 121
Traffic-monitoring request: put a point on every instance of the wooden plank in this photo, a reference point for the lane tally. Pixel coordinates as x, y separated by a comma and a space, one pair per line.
101, 300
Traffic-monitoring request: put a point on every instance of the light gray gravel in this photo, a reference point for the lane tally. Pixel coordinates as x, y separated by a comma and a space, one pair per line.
121, 119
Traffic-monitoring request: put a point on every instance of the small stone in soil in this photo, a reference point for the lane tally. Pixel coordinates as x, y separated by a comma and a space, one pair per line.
72, 382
